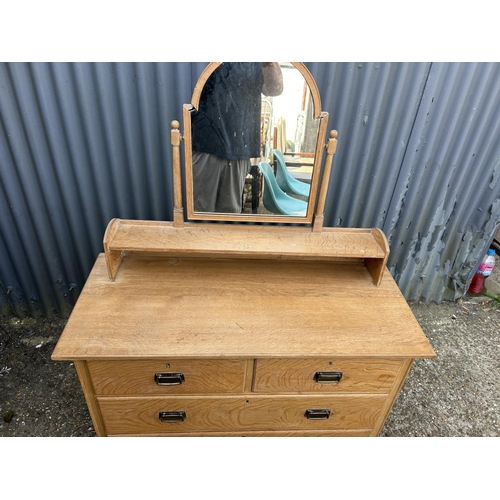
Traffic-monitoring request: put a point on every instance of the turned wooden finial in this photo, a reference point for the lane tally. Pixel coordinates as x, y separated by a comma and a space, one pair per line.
175, 133
331, 146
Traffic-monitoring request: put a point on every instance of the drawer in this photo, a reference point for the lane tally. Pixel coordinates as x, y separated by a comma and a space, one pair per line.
300, 433
239, 413
157, 377
326, 375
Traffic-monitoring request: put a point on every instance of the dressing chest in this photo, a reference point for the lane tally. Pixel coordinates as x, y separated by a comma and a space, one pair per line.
221, 328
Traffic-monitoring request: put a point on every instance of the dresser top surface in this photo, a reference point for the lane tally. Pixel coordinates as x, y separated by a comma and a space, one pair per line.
206, 308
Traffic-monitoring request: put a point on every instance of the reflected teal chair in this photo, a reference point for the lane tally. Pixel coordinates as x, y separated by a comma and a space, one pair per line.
286, 181
275, 200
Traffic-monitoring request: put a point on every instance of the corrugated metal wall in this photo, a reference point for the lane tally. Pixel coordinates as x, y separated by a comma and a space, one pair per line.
83, 143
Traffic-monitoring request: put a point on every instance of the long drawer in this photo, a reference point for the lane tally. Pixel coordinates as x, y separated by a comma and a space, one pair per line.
153, 377
126, 415
243, 433
375, 376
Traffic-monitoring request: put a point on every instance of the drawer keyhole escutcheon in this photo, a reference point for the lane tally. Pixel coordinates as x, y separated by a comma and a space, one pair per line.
328, 377
317, 414
172, 416
169, 378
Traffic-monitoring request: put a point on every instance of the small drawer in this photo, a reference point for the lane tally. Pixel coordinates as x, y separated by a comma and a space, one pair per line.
188, 414
156, 377
376, 376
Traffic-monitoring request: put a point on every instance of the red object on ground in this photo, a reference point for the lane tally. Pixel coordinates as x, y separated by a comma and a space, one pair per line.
477, 283
484, 270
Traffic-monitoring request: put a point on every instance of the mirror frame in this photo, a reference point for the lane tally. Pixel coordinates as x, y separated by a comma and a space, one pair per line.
188, 109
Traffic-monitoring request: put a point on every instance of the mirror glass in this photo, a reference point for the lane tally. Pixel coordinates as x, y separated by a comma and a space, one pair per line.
253, 143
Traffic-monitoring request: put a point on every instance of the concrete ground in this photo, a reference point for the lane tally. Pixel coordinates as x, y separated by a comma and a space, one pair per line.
456, 394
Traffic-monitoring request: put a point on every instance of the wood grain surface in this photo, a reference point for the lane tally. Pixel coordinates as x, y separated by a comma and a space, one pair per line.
297, 375
210, 308
137, 377
236, 413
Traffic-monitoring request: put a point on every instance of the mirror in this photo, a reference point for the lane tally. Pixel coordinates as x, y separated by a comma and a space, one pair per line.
254, 141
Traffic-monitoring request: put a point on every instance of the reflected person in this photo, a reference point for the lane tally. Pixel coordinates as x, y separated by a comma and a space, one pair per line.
226, 132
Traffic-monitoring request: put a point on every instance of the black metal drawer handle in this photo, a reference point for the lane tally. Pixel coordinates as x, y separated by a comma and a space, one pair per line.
328, 377
317, 414
169, 378
172, 416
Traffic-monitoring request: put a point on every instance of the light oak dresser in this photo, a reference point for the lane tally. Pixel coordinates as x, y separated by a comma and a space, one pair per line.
186, 345
211, 326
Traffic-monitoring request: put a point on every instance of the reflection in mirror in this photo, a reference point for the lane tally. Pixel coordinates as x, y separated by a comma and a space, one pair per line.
288, 144
251, 115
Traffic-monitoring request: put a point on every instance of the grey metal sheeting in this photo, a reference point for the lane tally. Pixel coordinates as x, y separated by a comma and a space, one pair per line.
81, 143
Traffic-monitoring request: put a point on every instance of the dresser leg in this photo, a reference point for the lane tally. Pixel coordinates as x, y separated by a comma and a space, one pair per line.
88, 391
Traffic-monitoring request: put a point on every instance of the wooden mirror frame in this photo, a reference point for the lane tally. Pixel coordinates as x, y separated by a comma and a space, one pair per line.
254, 241
317, 193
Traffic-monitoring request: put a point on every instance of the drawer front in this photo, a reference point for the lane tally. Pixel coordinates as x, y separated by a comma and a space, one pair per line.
152, 377
314, 433
376, 376
238, 413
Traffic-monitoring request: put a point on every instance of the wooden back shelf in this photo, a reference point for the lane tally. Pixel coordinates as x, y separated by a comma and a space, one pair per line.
124, 237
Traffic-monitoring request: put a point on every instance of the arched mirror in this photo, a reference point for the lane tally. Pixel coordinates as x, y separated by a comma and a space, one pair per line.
254, 141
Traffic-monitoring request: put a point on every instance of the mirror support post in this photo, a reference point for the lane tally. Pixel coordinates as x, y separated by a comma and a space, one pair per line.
331, 147
175, 138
